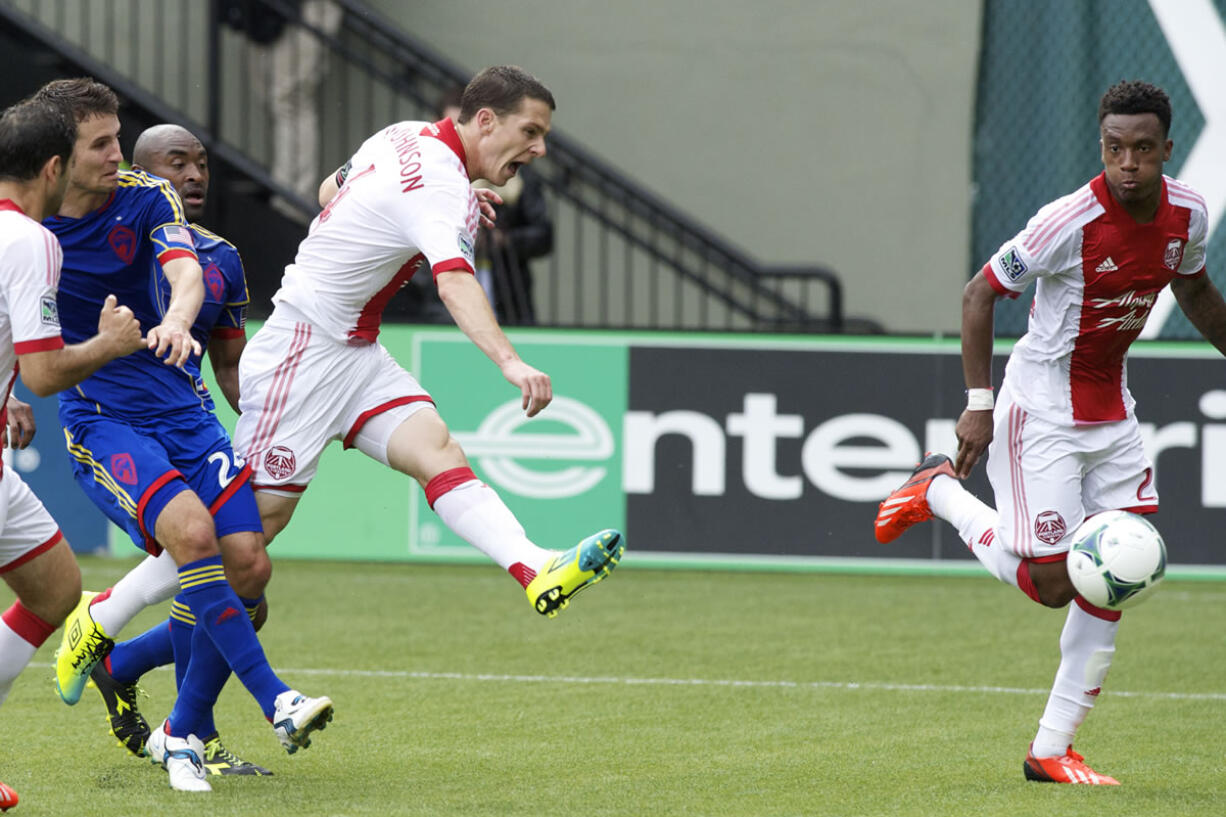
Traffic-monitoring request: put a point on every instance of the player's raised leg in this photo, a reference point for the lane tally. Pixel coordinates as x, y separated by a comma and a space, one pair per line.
421, 446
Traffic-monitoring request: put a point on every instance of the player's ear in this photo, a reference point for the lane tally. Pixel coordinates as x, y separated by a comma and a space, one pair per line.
486, 119
1166, 150
53, 169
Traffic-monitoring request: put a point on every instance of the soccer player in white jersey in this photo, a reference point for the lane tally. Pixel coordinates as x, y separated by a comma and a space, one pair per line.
36, 141
1062, 440
315, 371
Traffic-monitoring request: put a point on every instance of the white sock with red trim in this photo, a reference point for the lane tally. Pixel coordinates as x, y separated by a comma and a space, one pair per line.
153, 581
976, 524
475, 513
21, 634
1087, 645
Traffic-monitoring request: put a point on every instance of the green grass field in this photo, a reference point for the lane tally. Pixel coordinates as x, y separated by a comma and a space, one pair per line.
662, 693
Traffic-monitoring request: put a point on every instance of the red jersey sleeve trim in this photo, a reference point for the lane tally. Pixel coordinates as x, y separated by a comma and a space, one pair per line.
176, 252
25, 347
1000, 288
451, 265
228, 332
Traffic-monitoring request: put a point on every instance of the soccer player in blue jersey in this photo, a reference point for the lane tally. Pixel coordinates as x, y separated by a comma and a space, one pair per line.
173, 153
146, 446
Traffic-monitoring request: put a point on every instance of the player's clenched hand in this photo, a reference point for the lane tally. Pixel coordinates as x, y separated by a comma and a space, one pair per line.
534, 385
486, 199
120, 328
172, 341
974, 432
20, 429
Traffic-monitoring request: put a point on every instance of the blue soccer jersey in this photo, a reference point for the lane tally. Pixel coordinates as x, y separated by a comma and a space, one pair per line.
224, 311
119, 249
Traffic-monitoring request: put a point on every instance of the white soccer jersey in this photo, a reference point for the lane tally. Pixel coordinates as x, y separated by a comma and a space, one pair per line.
30, 259
407, 197
1098, 273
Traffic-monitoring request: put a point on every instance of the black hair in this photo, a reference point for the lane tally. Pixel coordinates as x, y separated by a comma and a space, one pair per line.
31, 132
1134, 96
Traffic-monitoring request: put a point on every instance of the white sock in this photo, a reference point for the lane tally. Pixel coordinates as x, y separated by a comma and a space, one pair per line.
1087, 645
976, 524
153, 581
476, 514
15, 654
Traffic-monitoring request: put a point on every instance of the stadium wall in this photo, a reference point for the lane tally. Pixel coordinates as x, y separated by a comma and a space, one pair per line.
803, 131
716, 450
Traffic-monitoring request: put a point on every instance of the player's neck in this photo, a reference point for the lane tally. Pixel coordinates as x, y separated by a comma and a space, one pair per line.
1142, 212
78, 202
28, 199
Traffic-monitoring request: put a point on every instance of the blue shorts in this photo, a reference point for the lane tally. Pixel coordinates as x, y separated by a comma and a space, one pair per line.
132, 468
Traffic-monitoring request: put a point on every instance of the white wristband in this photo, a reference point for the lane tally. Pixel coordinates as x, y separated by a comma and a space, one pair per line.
979, 400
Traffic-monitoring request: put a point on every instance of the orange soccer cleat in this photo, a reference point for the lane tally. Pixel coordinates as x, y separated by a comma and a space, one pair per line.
908, 505
8, 797
1068, 768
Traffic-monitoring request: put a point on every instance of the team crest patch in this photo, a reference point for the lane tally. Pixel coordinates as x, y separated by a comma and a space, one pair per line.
465, 240
214, 282
279, 462
1173, 255
1049, 527
123, 468
123, 242
1012, 265
48, 311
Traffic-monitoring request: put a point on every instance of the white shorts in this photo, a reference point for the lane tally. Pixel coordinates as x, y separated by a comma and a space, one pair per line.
1048, 478
26, 529
300, 390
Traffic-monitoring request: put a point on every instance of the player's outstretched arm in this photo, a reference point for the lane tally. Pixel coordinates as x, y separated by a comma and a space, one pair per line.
465, 300
54, 370
974, 428
1201, 301
172, 339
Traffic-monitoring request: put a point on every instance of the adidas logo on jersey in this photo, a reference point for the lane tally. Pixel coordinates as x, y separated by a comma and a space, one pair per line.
1107, 266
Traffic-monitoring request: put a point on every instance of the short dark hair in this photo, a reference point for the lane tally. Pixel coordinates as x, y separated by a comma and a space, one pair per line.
1134, 96
31, 132
84, 97
502, 89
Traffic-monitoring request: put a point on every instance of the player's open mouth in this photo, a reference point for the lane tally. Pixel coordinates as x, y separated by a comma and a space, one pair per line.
513, 167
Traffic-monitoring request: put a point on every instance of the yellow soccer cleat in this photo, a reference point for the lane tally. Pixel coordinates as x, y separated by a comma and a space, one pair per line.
567, 573
82, 646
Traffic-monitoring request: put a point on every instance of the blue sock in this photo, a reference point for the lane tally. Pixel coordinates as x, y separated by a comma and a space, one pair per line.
131, 659
222, 617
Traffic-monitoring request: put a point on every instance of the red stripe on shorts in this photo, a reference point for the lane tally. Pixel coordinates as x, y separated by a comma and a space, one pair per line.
365, 416
33, 553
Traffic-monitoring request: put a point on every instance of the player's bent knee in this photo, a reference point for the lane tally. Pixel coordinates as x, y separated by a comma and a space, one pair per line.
248, 567
1053, 584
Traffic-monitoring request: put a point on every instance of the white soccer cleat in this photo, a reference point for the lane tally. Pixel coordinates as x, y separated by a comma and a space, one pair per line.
182, 758
296, 716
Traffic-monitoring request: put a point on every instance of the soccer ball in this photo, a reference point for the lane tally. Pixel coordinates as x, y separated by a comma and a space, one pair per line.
1117, 559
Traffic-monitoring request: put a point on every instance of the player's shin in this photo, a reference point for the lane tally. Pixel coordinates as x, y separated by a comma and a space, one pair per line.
153, 581
976, 523
1087, 645
220, 615
475, 513
21, 634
